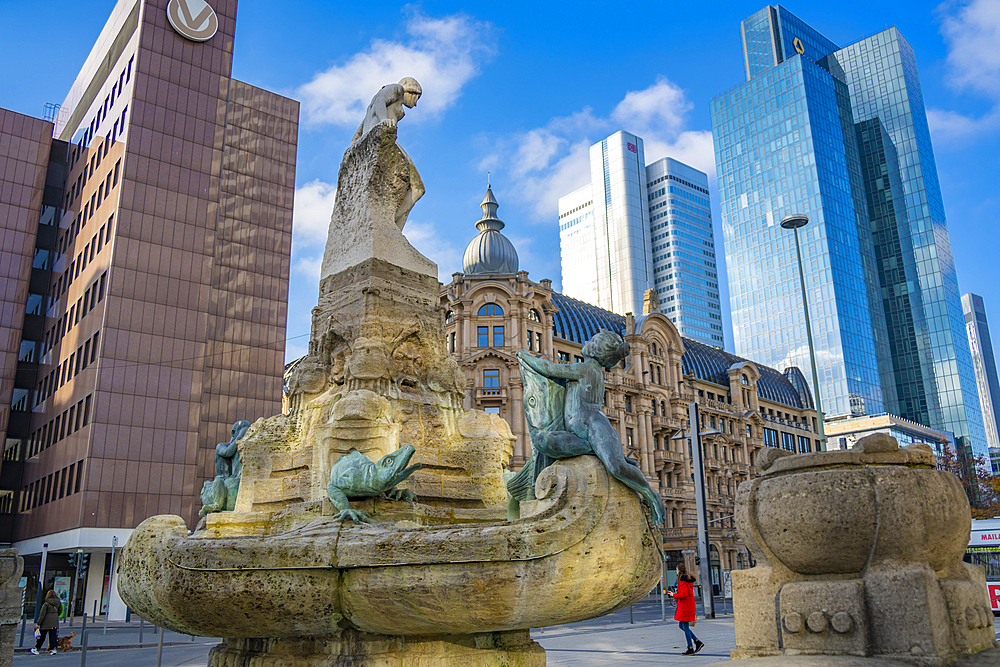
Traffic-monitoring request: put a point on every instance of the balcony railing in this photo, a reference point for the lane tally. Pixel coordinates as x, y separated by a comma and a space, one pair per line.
663, 455
491, 392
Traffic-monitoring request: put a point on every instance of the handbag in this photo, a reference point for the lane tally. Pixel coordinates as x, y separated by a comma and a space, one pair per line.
38, 632
693, 622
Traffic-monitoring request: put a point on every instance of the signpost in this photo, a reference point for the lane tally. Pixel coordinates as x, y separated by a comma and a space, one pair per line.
704, 572
111, 582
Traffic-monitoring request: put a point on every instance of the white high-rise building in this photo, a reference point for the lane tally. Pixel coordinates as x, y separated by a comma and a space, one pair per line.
636, 227
984, 363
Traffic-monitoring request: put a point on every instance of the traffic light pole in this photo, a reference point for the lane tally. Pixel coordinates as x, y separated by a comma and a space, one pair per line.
76, 582
697, 460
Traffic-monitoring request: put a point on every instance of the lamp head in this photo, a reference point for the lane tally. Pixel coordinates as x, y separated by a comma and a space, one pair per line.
794, 221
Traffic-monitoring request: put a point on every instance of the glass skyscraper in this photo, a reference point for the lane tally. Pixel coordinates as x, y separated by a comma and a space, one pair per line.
636, 227
841, 135
984, 364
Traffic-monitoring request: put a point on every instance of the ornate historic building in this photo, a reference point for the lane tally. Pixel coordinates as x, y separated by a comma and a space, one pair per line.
492, 309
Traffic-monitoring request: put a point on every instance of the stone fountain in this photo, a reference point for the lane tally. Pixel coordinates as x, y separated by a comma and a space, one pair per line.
437, 575
859, 563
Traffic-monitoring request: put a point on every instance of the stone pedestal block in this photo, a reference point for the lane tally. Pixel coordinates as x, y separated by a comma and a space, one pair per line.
360, 649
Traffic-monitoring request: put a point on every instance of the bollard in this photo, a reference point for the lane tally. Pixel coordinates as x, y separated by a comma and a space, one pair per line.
84, 628
24, 624
630, 618
156, 629
159, 650
142, 626
83, 646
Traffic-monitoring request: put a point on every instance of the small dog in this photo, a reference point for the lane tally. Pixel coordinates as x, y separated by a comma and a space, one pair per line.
66, 643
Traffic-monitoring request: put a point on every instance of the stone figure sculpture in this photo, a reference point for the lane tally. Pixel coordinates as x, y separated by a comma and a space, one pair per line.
387, 108
219, 495
354, 475
562, 405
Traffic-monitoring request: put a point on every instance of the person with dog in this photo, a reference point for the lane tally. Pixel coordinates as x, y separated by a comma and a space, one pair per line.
686, 613
48, 622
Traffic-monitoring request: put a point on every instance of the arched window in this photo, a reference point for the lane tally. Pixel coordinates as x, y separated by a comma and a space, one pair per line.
490, 309
744, 379
449, 317
534, 316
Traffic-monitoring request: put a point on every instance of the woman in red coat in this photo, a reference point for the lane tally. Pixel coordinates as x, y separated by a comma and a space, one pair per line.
685, 609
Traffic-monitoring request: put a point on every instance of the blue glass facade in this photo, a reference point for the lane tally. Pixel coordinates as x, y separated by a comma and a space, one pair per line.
780, 149
841, 135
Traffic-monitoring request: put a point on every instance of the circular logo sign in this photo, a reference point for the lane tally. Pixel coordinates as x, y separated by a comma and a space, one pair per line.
799, 48
193, 19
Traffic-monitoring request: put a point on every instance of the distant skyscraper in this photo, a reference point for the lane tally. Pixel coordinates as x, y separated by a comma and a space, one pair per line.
841, 135
984, 364
637, 227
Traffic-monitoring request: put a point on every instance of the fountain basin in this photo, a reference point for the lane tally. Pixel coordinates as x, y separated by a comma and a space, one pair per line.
586, 549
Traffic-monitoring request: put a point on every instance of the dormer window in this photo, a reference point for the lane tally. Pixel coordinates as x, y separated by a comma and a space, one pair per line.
744, 379
449, 317
534, 316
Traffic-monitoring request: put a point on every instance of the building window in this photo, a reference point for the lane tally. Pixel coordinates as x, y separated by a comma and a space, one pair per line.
577, 358
628, 404
490, 309
659, 378
770, 437
494, 410
531, 343
498, 337
491, 381
449, 317
564, 356
804, 445
484, 336
534, 316
787, 442
654, 408
628, 437
538, 341
451, 342
749, 431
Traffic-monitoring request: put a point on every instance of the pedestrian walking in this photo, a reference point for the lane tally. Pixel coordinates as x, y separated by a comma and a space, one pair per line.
686, 614
48, 621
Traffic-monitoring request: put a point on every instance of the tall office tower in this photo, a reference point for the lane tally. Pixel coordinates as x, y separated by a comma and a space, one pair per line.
684, 273
158, 296
610, 231
841, 136
984, 364
637, 227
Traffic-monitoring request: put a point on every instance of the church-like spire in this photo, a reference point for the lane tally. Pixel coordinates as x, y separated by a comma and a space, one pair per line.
490, 251
489, 219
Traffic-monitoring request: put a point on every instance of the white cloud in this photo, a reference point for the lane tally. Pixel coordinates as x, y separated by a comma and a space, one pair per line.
443, 54
548, 162
971, 31
428, 240
313, 207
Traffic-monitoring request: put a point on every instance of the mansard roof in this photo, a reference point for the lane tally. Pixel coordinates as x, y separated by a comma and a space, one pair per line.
577, 321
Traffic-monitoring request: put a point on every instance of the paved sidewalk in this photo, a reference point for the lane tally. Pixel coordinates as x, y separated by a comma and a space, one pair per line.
612, 639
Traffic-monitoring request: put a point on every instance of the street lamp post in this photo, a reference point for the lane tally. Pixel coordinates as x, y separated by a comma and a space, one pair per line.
794, 222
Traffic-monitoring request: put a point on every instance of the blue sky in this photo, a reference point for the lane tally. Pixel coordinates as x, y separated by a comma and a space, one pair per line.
523, 89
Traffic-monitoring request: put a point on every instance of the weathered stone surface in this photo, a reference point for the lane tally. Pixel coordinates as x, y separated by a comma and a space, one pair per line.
11, 567
488, 649
859, 553
376, 180
578, 556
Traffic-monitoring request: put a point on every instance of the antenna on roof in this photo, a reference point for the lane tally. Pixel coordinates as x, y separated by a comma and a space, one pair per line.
487, 179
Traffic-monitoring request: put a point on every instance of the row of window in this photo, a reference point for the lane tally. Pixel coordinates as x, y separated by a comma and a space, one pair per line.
57, 485
85, 355
91, 297
64, 424
102, 111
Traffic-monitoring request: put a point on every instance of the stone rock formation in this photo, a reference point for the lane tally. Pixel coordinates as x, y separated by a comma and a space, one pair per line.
11, 567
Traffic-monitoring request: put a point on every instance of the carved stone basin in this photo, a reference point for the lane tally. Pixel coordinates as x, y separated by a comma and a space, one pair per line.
585, 550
